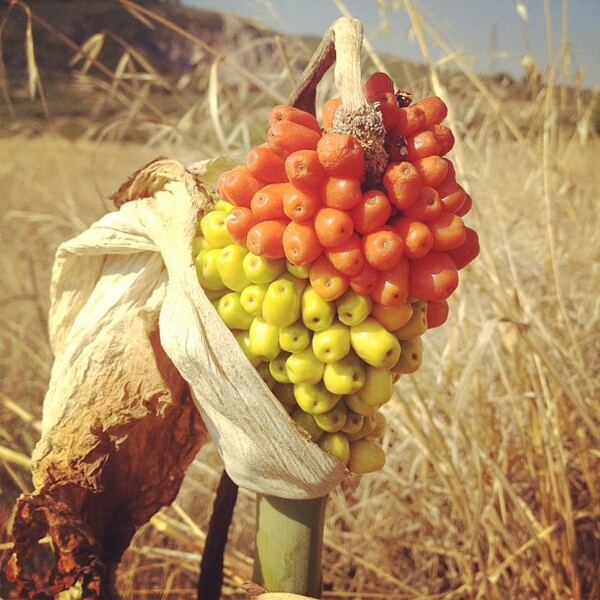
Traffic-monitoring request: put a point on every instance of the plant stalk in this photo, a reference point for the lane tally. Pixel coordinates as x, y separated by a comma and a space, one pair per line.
289, 544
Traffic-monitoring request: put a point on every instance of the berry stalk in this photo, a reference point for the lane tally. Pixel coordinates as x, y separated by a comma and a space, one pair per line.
356, 116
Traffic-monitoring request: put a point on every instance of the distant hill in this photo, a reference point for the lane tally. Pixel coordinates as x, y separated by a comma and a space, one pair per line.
60, 27
78, 20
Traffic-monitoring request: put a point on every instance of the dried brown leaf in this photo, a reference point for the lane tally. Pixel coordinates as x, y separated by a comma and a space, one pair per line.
119, 425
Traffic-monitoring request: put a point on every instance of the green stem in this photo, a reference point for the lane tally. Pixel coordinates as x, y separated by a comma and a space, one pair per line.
289, 544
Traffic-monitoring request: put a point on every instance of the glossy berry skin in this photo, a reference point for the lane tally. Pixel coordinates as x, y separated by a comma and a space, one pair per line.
327, 284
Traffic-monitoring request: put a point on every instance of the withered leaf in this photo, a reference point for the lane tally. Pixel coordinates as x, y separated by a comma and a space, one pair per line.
119, 425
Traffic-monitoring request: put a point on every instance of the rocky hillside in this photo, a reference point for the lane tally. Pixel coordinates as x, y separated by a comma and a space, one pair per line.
169, 48
60, 24
162, 49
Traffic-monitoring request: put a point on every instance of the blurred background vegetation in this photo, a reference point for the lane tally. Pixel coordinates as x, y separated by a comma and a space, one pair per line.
147, 71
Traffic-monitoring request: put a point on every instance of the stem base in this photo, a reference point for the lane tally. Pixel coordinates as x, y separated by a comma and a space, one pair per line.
289, 544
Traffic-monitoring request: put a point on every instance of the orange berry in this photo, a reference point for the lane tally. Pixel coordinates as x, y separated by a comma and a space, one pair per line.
434, 108
266, 238
392, 317
437, 313
285, 137
267, 203
238, 185
402, 183
285, 112
372, 212
300, 243
239, 220
389, 112
383, 248
326, 280
333, 226
341, 155
433, 277
410, 120
467, 251
422, 144
264, 164
328, 112
451, 175
416, 236
364, 281
392, 286
432, 170
466, 206
299, 205
444, 137
347, 257
377, 85
427, 206
452, 195
341, 192
448, 231
304, 170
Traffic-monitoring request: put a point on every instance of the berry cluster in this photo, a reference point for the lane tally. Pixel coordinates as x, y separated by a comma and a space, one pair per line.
328, 282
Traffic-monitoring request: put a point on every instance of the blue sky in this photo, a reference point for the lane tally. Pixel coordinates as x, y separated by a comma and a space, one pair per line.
473, 27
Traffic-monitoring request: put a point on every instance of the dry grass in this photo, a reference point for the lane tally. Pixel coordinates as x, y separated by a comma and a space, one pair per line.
491, 488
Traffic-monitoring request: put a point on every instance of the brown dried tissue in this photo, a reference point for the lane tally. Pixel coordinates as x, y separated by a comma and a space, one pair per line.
134, 338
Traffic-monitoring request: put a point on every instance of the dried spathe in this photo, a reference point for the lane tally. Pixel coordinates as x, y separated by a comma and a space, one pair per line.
135, 340
119, 425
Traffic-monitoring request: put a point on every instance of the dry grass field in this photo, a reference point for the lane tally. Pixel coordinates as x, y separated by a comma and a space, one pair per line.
491, 488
